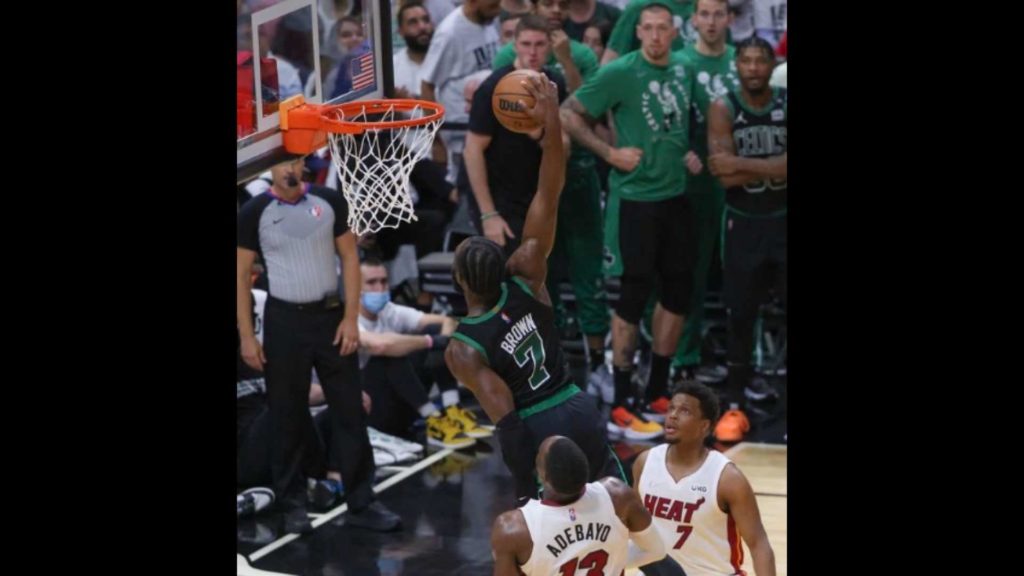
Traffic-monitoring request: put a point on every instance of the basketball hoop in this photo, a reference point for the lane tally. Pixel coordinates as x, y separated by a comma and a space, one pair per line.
374, 146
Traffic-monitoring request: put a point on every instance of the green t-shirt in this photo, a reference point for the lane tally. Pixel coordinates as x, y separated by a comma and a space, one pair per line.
714, 76
582, 56
651, 108
624, 40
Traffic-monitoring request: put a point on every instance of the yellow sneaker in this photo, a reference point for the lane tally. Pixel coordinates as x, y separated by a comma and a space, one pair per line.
466, 419
635, 427
444, 432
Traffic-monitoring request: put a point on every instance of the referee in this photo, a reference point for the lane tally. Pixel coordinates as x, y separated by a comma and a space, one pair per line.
296, 229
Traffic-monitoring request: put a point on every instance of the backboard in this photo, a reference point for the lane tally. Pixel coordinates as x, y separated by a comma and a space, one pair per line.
312, 47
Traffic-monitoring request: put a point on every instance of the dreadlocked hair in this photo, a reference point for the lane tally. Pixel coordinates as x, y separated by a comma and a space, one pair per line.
481, 264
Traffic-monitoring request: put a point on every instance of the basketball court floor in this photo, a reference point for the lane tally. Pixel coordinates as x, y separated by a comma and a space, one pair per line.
448, 501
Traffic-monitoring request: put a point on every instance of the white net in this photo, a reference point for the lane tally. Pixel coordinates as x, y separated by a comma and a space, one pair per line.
374, 167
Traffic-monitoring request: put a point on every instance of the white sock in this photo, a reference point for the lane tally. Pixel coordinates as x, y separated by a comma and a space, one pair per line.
428, 410
450, 398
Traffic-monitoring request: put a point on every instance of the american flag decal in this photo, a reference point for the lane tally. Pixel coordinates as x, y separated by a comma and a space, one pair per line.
362, 71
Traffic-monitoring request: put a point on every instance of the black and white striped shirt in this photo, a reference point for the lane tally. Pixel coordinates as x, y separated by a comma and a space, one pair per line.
296, 241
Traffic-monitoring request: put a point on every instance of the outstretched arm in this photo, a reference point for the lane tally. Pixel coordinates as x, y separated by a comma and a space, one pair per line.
529, 261
446, 323
399, 345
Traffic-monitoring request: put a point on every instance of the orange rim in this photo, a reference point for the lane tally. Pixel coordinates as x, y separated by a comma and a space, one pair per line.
339, 118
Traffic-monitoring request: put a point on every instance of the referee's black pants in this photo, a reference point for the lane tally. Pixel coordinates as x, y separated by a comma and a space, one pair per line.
295, 341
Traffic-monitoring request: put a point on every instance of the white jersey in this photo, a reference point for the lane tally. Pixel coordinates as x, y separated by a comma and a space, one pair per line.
697, 534
587, 535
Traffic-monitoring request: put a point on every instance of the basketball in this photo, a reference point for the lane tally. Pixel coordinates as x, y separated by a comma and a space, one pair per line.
505, 102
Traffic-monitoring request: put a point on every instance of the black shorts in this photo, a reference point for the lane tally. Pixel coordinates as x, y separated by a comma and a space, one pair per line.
657, 237
658, 242
575, 418
754, 259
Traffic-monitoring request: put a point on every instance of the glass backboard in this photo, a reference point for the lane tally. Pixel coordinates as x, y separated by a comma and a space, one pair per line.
331, 51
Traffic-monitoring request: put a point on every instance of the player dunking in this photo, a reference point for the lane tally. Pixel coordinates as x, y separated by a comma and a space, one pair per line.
507, 350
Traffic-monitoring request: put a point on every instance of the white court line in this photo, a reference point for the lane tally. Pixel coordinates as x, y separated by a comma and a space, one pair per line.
344, 507
393, 469
245, 570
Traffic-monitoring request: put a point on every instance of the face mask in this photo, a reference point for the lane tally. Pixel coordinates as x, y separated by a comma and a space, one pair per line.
374, 302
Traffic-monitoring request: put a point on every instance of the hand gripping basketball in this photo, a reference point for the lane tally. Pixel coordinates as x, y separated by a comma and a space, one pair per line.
545, 99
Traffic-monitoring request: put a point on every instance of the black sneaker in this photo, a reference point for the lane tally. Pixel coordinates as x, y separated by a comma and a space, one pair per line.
374, 517
759, 390
322, 495
296, 521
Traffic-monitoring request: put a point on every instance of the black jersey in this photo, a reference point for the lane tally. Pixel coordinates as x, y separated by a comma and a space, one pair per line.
518, 339
759, 134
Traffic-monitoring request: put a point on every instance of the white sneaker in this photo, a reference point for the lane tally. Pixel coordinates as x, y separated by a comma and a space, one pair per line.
615, 433
386, 458
254, 500
392, 443
712, 374
601, 384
